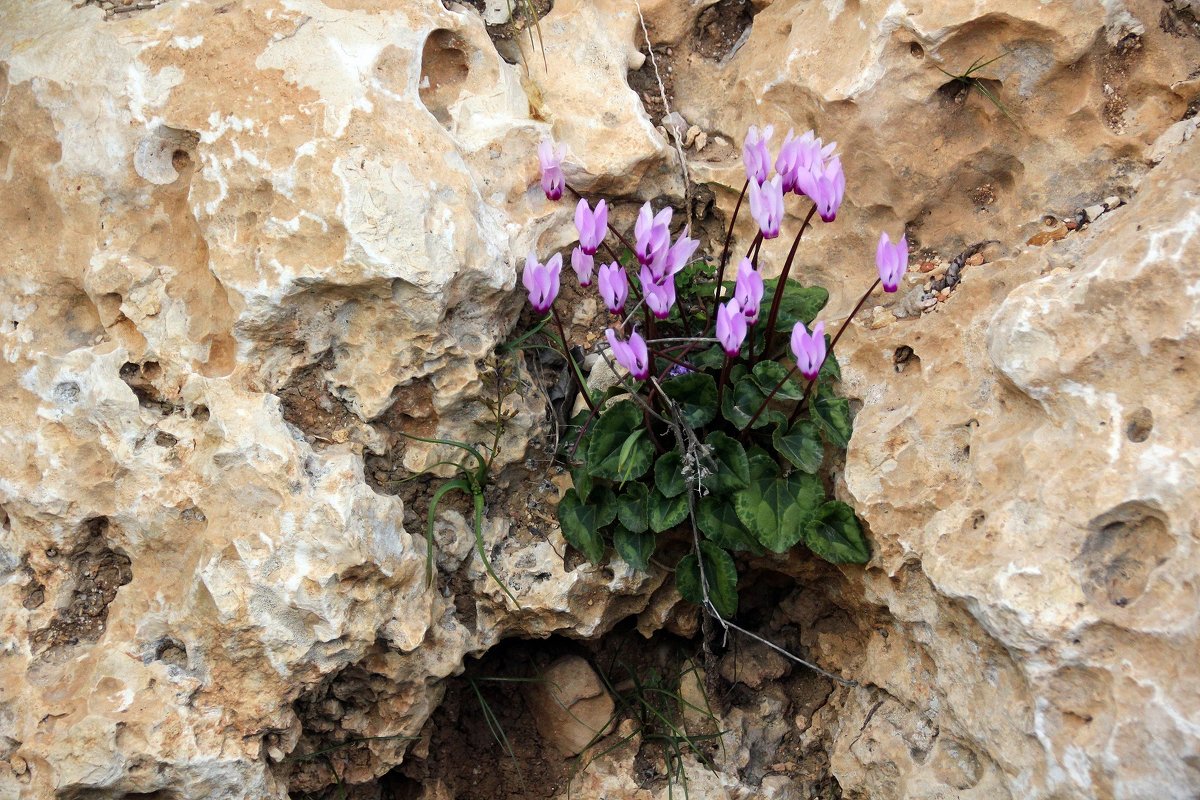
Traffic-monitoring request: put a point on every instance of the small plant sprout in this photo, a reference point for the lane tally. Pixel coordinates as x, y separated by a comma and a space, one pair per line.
550, 158
718, 434
892, 261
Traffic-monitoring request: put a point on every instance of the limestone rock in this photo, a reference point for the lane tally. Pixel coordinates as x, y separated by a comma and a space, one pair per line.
570, 705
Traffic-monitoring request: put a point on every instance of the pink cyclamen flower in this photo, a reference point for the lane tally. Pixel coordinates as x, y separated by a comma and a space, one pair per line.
582, 262
825, 188
592, 225
550, 157
756, 154
799, 156
766, 206
731, 327
809, 349
748, 290
541, 280
633, 355
670, 262
659, 296
652, 234
614, 287
892, 261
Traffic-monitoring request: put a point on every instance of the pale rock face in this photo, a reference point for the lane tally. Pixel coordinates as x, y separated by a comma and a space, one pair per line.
221, 206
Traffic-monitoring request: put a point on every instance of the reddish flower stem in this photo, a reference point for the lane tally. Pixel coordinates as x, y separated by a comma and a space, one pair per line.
779, 287
767, 401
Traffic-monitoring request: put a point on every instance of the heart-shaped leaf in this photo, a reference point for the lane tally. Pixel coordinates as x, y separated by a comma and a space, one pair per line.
712, 358
618, 448
742, 400
581, 522
718, 521
632, 509
801, 445
799, 303
582, 482
835, 535
634, 549
776, 511
666, 512
769, 374
668, 474
832, 416
762, 465
730, 469
696, 395
720, 573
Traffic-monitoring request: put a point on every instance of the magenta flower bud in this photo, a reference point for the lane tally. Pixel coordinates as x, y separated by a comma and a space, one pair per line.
550, 157
632, 355
541, 281
614, 287
659, 297
582, 263
756, 154
748, 290
670, 261
791, 158
892, 261
809, 349
766, 206
825, 188
731, 327
592, 225
652, 234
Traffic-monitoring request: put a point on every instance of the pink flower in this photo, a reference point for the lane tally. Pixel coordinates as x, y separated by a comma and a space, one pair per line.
591, 225
766, 206
748, 290
541, 281
652, 234
614, 287
801, 155
892, 261
582, 262
731, 327
809, 349
670, 262
659, 296
632, 355
550, 157
756, 154
825, 188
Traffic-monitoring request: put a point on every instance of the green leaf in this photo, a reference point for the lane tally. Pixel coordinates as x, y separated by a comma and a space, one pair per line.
801, 445
741, 402
799, 303
666, 512
668, 474
712, 358
832, 416
615, 450
696, 395
835, 535
776, 511
581, 522
720, 572
762, 465
731, 469
582, 482
634, 549
718, 521
632, 509
768, 374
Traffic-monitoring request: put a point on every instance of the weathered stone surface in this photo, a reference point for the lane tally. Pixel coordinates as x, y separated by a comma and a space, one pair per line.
570, 705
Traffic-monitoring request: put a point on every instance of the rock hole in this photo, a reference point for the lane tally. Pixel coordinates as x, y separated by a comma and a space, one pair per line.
916, 51
444, 70
1125, 545
161, 156
66, 393
1138, 425
722, 28
172, 651
905, 358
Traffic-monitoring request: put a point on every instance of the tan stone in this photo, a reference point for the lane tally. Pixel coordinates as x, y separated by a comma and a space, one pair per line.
570, 705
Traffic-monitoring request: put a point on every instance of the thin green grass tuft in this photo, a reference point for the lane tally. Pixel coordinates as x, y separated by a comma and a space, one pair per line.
969, 80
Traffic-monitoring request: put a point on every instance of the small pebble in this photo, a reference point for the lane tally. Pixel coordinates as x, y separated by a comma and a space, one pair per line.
721, 141
1112, 202
927, 266
1072, 224
691, 135
943, 294
18, 765
1045, 237
975, 260
1093, 212
880, 318
701, 140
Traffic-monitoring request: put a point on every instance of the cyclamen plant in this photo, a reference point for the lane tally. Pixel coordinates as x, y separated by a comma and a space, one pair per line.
724, 413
